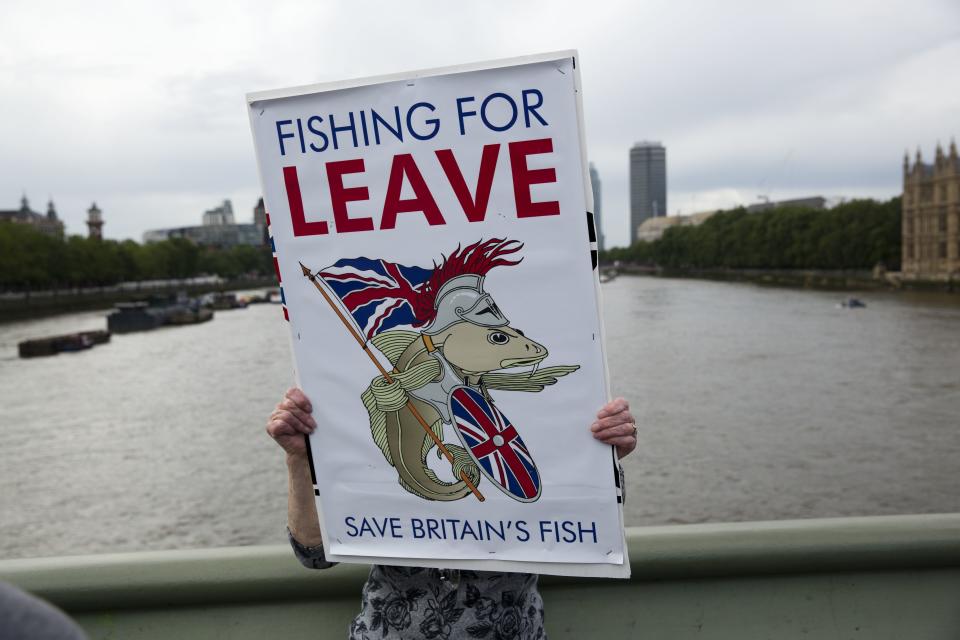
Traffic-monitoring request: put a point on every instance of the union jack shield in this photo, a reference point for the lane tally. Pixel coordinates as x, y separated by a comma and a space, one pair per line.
494, 444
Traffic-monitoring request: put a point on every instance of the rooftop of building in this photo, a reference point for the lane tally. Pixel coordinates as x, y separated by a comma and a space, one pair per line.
948, 162
811, 202
25, 212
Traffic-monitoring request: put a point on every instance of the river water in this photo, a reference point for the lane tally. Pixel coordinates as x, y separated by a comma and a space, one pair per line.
753, 404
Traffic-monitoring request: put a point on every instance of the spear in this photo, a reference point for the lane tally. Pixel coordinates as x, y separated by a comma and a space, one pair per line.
366, 348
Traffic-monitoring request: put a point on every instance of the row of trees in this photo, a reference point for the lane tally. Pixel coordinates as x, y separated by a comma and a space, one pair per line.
32, 260
856, 235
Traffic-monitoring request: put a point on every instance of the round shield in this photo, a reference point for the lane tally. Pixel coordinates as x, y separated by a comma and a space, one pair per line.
495, 445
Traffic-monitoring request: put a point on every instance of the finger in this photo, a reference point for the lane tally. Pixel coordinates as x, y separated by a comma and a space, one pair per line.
625, 442
617, 420
282, 411
616, 432
301, 415
624, 450
613, 407
299, 399
294, 421
278, 429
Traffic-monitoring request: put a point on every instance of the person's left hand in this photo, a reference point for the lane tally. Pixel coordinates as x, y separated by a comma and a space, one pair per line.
615, 425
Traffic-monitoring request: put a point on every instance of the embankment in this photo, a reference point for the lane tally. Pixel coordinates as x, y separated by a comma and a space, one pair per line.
38, 304
833, 280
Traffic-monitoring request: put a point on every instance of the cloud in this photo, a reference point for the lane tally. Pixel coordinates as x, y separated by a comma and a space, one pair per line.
140, 106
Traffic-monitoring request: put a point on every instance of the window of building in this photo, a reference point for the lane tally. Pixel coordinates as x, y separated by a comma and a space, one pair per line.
942, 220
943, 193
910, 251
943, 250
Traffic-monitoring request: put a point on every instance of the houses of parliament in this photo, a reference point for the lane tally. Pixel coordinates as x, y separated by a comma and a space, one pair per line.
931, 216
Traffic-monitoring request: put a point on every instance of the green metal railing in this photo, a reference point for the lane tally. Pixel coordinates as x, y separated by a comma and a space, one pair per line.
883, 577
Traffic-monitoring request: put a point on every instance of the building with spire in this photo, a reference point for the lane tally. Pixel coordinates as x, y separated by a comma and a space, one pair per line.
48, 223
931, 215
94, 222
260, 220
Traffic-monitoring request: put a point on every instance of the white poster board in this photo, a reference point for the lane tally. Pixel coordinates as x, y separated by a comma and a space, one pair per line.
433, 226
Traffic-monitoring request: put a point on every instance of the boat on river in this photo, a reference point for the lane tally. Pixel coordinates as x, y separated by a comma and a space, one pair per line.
135, 316
52, 345
128, 317
225, 302
853, 303
267, 297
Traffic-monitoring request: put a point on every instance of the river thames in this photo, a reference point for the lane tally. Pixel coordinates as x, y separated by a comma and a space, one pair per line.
752, 404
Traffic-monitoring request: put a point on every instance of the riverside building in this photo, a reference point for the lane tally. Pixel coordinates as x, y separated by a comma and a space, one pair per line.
653, 229
648, 184
218, 229
47, 223
931, 216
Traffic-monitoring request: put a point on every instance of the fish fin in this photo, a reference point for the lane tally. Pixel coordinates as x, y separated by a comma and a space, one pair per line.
530, 382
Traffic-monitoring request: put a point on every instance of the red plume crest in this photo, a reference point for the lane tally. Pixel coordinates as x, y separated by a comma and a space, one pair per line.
477, 258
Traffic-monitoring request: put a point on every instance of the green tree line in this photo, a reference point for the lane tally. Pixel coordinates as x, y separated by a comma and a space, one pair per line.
32, 260
856, 235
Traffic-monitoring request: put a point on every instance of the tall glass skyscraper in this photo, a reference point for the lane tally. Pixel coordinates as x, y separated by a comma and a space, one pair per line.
648, 184
595, 185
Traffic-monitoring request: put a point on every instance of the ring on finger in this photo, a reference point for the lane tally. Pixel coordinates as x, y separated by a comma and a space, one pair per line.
634, 432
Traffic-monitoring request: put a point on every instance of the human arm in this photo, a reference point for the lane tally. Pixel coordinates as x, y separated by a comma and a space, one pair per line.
616, 426
288, 425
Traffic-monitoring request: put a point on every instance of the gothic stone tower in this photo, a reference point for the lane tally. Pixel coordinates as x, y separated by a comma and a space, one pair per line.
260, 220
931, 216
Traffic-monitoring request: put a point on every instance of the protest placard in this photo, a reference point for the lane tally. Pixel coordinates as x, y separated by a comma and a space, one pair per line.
432, 238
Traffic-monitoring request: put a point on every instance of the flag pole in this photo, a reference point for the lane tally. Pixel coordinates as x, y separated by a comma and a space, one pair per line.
386, 375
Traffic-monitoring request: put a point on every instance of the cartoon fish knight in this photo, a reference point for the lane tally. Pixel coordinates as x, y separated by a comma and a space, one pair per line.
444, 371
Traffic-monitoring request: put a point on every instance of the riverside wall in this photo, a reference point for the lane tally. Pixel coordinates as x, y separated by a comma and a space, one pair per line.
883, 578
24, 305
833, 280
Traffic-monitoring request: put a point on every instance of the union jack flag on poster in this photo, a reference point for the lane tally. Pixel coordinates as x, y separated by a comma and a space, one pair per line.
378, 294
495, 444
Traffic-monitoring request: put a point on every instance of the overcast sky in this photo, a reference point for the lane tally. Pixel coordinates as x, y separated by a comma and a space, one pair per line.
140, 106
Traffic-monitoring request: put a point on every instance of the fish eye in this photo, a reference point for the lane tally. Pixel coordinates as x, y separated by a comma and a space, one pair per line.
498, 337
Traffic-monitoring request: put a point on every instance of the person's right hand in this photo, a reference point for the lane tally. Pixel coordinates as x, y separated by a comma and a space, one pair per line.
291, 421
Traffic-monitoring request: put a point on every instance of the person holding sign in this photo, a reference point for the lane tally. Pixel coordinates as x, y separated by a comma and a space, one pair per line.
415, 601
434, 245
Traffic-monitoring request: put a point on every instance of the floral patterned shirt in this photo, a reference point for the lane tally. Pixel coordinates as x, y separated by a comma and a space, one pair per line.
420, 603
